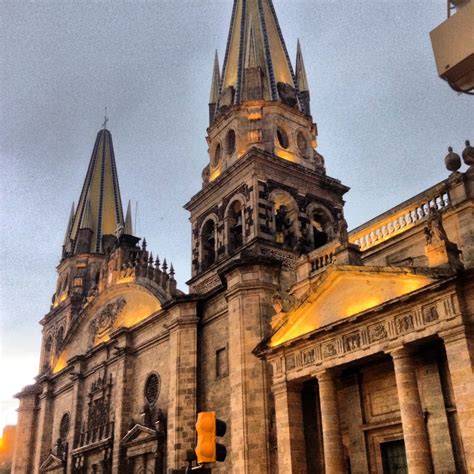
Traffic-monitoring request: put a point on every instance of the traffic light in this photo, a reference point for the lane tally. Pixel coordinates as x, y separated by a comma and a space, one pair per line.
208, 427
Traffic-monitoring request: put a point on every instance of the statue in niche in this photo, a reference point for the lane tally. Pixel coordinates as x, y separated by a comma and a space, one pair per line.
434, 229
320, 237
60, 449
341, 229
284, 233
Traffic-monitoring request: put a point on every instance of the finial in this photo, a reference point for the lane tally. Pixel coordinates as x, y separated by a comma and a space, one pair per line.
452, 160
468, 154
157, 262
165, 265
144, 244
106, 119
150, 259
171, 270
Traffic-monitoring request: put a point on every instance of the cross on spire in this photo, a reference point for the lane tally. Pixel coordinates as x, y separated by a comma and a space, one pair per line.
106, 119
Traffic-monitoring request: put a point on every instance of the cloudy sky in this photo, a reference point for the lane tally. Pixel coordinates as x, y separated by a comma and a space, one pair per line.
384, 118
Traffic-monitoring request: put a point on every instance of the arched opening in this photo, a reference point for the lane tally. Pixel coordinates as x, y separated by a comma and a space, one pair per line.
217, 155
321, 226
208, 244
235, 229
282, 137
230, 142
48, 346
59, 340
285, 212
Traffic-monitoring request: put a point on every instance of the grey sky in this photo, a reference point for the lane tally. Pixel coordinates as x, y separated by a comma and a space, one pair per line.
384, 118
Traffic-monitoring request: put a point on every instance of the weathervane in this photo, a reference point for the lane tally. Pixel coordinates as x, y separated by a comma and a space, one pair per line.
106, 119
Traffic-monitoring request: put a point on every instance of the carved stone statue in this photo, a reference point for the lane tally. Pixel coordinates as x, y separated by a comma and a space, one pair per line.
434, 229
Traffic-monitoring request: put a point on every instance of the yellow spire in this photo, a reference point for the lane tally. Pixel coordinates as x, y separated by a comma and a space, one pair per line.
100, 205
128, 230
256, 21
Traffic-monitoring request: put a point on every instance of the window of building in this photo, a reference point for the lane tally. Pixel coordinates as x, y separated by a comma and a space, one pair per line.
222, 363
152, 389
64, 426
208, 244
235, 227
230, 142
394, 457
282, 138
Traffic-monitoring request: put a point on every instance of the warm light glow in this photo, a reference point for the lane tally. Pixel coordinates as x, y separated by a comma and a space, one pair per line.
60, 363
286, 155
344, 294
215, 174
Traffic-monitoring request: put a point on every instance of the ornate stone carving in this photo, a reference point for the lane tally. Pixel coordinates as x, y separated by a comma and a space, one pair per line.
208, 284
404, 323
329, 350
106, 318
377, 332
430, 314
352, 342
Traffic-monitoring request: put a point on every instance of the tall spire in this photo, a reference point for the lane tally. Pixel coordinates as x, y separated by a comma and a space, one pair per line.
302, 80
255, 21
67, 238
128, 229
100, 206
215, 87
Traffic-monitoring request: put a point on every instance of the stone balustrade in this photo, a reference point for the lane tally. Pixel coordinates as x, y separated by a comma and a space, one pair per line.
401, 218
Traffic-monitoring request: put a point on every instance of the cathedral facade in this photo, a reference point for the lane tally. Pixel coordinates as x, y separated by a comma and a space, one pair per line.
324, 350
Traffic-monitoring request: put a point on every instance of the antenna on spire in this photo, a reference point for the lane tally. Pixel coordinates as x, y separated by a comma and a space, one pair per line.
106, 119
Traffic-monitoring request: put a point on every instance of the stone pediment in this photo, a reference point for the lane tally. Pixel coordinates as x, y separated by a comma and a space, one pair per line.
344, 291
120, 306
51, 464
138, 434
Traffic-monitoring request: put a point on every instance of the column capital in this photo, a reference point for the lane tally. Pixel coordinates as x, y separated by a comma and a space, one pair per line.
324, 375
281, 387
400, 352
455, 334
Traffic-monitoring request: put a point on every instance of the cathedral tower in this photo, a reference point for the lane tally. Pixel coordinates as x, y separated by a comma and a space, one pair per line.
265, 201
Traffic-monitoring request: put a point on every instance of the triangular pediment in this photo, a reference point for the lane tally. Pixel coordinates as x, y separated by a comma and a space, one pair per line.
344, 291
51, 463
138, 433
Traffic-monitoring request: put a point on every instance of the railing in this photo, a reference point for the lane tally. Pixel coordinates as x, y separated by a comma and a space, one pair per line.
96, 434
401, 218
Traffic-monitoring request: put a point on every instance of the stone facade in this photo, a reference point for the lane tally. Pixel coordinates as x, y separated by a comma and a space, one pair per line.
323, 350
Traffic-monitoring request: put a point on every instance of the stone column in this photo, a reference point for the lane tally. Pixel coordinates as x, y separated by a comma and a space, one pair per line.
290, 428
76, 410
414, 429
182, 395
122, 391
25, 430
44, 427
332, 438
460, 354
249, 296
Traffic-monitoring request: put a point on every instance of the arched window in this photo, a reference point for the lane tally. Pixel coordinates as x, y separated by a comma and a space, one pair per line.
286, 223
208, 244
321, 226
282, 137
48, 346
235, 228
217, 155
64, 426
230, 142
59, 340
152, 389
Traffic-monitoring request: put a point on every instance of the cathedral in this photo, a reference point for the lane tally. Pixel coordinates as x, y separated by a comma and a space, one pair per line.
324, 349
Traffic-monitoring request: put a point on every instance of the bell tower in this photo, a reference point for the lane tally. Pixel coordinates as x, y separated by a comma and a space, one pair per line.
265, 190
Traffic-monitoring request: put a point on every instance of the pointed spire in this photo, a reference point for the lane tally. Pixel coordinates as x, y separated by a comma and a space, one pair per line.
67, 239
267, 48
100, 194
157, 262
301, 78
165, 266
302, 81
128, 229
144, 244
216, 81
